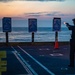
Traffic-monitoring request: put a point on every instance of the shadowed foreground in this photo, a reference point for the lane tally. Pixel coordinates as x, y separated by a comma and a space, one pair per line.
38, 59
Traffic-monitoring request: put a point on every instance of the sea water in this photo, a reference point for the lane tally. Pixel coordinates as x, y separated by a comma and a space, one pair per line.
43, 34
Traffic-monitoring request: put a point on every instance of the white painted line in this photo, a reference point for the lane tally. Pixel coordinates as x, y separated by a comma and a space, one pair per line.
44, 49
24, 63
28, 66
51, 73
56, 54
41, 55
65, 68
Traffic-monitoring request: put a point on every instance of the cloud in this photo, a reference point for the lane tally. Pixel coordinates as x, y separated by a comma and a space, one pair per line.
38, 14
55, 14
6, 0
44, 0
34, 14
30, 0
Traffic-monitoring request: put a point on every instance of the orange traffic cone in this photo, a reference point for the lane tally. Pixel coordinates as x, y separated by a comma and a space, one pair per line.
56, 45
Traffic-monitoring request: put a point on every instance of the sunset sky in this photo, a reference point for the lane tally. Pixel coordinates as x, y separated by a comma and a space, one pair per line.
43, 10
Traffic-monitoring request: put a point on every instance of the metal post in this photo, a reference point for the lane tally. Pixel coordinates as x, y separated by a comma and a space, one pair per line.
7, 38
56, 36
32, 36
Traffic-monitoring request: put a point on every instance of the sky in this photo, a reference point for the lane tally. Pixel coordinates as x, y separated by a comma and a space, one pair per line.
43, 10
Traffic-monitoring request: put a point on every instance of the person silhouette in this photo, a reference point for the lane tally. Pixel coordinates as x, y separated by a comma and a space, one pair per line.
72, 42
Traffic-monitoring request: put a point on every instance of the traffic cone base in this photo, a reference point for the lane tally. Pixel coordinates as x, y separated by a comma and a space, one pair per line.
56, 45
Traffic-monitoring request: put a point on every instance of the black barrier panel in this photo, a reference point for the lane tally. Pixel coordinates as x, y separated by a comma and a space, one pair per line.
6, 21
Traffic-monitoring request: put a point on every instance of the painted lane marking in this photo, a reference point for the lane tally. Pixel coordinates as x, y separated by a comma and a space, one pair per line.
56, 54
37, 61
16, 54
26, 66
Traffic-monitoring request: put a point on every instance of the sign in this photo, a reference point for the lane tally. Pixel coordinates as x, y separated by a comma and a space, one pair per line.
56, 24
6, 21
2, 54
3, 62
3, 69
32, 25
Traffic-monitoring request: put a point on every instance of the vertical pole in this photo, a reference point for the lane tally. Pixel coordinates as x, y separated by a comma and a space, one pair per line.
56, 36
7, 38
32, 36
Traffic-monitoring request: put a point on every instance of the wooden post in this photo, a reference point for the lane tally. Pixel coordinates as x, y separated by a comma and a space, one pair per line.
32, 36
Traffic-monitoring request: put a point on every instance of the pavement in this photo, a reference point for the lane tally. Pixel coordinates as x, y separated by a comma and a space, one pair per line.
35, 60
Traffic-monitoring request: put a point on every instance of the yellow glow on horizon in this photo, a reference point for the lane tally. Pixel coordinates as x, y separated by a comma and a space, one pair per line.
21, 7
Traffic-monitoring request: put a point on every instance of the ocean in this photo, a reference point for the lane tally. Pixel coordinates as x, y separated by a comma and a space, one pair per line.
43, 34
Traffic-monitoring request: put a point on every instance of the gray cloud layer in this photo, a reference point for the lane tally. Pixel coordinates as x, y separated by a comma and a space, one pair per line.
45, 14
29, 0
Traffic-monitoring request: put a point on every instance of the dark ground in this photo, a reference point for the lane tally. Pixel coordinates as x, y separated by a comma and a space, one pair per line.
54, 60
